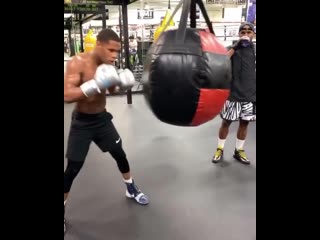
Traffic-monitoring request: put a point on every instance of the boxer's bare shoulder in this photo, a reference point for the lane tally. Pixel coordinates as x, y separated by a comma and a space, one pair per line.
82, 64
80, 69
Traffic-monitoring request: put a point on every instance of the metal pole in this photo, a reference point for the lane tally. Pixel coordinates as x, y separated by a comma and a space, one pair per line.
81, 37
70, 42
193, 22
126, 43
104, 18
121, 32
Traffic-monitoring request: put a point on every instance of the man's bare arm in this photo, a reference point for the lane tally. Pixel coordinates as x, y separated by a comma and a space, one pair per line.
231, 52
72, 82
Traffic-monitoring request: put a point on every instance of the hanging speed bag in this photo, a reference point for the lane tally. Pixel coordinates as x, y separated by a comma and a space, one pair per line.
186, 84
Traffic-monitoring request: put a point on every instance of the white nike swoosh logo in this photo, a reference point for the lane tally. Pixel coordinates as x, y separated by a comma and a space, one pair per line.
118, 140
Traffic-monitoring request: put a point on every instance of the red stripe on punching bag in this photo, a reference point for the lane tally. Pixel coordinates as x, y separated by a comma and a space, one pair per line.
209, 43
209, 105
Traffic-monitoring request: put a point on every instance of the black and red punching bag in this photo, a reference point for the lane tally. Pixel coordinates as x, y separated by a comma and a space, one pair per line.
187, 74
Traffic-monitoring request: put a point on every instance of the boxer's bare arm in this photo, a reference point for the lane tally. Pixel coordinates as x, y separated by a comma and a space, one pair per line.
72, 82
112, 90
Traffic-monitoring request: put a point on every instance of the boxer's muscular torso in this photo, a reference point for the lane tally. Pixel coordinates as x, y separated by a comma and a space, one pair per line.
82, 69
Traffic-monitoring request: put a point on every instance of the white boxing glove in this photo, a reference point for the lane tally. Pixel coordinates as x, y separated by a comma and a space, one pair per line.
106, 76
126, 79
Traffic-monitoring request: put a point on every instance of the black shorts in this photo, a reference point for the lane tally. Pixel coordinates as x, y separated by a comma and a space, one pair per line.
86, 128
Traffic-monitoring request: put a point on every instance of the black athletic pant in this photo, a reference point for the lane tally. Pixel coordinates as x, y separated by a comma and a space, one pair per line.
84, 129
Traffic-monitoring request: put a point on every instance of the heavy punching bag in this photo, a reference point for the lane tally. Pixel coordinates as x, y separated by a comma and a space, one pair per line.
187, 74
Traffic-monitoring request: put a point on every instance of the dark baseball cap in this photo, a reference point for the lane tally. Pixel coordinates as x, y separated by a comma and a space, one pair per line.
246, 26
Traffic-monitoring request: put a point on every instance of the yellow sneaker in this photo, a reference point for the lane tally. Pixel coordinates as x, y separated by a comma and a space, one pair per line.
217, 155
241, 156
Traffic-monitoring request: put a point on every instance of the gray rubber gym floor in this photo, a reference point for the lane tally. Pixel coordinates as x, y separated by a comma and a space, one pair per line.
190, 197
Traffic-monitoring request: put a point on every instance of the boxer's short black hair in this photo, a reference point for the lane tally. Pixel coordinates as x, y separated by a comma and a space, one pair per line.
107, 34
